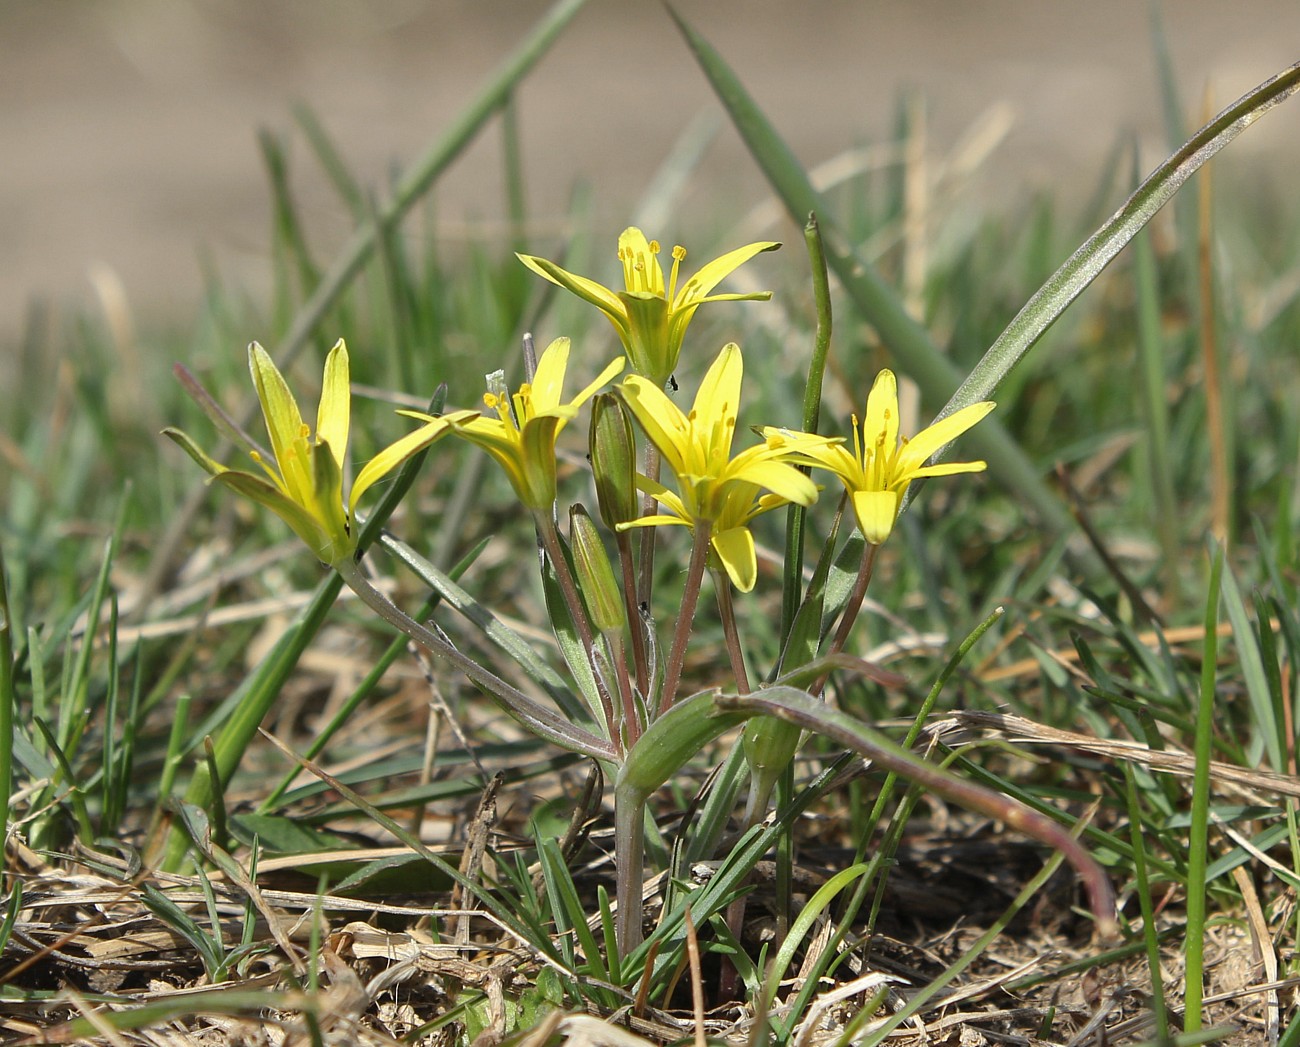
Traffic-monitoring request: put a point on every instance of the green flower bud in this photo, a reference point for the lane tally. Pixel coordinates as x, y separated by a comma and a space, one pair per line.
613, 460
595, 575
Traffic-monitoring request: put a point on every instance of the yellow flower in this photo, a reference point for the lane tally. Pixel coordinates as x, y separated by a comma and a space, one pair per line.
714, 486
650, 320
522, 436
303, 482
877, 472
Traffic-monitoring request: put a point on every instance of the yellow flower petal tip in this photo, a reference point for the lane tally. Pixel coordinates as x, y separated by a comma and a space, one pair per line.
650, 314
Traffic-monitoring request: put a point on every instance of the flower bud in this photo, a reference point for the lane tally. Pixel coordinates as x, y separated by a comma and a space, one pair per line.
595, 574
613, 460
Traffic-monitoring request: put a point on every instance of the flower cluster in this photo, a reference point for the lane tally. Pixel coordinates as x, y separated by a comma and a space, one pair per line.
632, 720
302, 478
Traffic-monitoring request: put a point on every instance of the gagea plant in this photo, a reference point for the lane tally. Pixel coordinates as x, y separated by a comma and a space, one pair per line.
662, 460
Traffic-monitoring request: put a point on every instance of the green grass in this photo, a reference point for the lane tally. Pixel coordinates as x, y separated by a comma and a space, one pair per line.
158, 842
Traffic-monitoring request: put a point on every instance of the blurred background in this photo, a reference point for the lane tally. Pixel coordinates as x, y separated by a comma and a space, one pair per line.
130, 126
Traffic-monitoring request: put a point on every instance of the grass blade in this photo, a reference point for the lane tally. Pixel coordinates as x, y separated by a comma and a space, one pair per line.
874, 300
1198, 835
808, 712
7, 699
1082, 267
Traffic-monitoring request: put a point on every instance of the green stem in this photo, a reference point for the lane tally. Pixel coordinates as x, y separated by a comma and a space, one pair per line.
635, 619
537, 718
686, 615
629, 867
812, 402
626, 738
727, 612
851, 609
577, 611
646, 563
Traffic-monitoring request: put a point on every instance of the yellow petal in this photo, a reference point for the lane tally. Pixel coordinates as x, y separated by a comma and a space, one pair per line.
304, 524
948, 469
397, 452
548, 381
284, 423
537, 461
927, 441
735, 548
641, 268
613, 368
880, 426
876, 512
601, 297
652, 521
661, 419
209, 464
718, 398
717, 270
333, 415
327, 503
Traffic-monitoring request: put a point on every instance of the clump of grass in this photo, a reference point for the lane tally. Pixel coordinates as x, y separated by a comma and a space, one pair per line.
1069, 661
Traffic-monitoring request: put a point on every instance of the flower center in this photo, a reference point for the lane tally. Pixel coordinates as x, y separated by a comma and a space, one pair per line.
641, 272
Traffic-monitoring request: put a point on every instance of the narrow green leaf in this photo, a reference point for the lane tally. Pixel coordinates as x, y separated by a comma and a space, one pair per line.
7, 700
1082, 267
1198, 835
566, 636
672, 740
812, 402
505, 638
801, 708
1268, 733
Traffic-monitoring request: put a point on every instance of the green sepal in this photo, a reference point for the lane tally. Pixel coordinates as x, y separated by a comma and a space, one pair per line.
266, 494
187, 444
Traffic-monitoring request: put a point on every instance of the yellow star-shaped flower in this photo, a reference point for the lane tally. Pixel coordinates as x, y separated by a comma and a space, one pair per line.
303, 481
713, 486
650, 319
877, 472
522, 436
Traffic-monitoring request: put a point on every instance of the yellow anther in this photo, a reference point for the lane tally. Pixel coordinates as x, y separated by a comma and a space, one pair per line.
490, 400
654, 246
305, 431
679, 253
